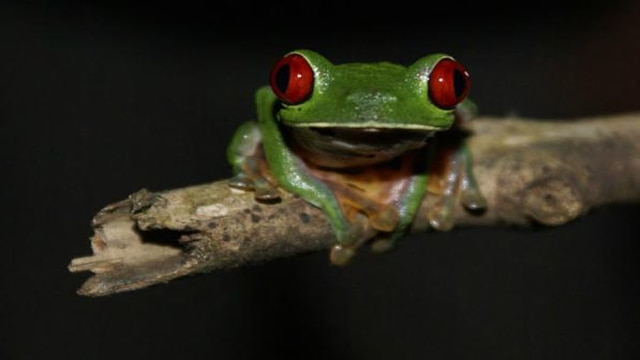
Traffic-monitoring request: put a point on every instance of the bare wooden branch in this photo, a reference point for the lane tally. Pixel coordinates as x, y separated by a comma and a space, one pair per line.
530, 171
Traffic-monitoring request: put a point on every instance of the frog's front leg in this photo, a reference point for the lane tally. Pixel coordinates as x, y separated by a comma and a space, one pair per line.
453, 165
246, 157
292, 174
459, 185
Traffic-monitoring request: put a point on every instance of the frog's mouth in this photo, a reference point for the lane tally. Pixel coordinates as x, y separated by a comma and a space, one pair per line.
351, 146
372, 137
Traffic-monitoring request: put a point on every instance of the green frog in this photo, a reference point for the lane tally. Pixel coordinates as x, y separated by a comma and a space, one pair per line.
364, 142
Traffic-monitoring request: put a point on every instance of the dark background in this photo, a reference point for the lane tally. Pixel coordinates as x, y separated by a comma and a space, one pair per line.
99, 100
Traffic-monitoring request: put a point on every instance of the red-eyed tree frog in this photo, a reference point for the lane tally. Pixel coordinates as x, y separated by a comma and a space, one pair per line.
365, 142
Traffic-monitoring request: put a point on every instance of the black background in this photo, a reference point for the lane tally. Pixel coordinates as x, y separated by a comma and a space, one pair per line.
99, 99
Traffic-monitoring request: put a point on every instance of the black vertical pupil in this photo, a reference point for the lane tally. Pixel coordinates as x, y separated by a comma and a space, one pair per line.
282, 77
459, 82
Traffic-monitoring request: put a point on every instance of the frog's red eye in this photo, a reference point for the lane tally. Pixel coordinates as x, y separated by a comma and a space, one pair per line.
449, 83
292, 79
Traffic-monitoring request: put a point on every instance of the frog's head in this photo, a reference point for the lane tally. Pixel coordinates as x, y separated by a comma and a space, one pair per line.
314, 93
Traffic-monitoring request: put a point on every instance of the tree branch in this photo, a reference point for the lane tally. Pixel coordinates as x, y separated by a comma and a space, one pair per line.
529, 170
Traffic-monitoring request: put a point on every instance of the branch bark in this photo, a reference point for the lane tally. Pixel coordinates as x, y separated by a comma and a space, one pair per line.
531, 171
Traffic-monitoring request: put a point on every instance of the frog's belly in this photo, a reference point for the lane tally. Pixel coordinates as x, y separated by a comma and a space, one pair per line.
353, 147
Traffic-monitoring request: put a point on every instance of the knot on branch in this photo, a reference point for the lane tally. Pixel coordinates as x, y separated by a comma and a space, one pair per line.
552, 201
551, 191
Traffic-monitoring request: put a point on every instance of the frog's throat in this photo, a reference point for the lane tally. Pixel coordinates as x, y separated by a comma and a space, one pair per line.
343, 147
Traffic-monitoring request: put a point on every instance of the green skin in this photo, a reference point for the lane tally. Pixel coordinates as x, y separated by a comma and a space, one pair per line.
378, 98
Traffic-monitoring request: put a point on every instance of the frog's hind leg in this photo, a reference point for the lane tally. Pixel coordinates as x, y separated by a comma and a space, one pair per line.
361, 231
407, 208
246, 157
459, 185
366, 218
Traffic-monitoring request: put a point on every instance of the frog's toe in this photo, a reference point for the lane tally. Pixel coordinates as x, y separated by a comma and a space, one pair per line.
385, 219
241, 181
383, 245
341, 255
350, 237
266, 194
264, 191
473, 199
441, 215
